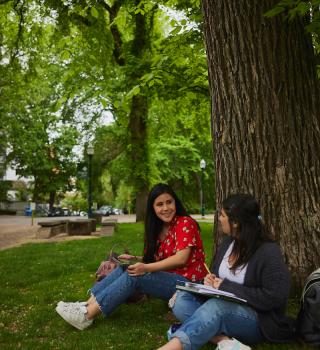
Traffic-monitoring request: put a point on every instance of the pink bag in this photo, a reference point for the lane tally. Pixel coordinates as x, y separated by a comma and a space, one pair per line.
107, 266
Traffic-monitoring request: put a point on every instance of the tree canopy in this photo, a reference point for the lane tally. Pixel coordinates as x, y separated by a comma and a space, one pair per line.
68, 66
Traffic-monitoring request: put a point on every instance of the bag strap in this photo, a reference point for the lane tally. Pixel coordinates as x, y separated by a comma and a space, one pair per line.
118, 244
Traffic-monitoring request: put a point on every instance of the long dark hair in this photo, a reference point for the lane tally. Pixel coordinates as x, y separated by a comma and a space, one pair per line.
250, 233
153, 225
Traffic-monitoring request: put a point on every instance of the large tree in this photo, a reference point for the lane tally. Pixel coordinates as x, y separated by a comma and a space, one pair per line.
266, 120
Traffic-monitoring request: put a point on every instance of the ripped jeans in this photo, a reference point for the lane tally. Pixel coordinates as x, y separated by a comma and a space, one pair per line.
205, 318
118, 286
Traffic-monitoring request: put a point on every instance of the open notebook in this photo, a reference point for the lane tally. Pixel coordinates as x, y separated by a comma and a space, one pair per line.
208, 291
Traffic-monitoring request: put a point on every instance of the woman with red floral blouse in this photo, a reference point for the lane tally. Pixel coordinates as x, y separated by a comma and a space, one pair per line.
173, 251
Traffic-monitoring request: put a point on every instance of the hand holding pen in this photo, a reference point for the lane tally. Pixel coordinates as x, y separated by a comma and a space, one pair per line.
211, 279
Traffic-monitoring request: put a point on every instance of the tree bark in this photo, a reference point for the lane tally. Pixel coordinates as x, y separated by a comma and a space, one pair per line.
52, 198
138, 119
266, 121
139, 152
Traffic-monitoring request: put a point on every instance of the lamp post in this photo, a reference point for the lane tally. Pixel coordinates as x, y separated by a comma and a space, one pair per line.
90, 152
202, 167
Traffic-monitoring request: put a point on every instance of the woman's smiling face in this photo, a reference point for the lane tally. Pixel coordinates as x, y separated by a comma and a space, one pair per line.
165, 207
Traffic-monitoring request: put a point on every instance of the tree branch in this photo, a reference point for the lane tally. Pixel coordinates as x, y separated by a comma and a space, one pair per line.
113, 12
19, 8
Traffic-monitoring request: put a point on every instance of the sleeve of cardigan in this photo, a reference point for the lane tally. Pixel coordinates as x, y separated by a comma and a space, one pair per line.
272, 288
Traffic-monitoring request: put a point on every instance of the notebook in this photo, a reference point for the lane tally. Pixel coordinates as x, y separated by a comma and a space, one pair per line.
125, 262
208, 291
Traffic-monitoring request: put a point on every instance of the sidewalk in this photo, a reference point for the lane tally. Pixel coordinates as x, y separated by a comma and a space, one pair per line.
16, 230
209, 218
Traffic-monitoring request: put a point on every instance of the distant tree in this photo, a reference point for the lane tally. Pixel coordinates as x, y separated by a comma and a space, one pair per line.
266, 121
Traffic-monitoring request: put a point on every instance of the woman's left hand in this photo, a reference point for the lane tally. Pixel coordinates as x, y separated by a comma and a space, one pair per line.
137, 269
216, 283
212, 280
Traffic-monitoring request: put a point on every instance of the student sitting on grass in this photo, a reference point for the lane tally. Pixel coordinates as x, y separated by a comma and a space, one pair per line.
250, 265
173, 251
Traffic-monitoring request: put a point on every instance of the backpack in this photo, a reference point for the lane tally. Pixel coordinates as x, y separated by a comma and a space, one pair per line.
308, 321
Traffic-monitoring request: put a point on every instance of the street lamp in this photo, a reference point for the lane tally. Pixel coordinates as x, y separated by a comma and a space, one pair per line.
90, 152
202, 166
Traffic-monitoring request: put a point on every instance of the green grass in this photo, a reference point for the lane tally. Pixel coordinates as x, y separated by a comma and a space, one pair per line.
34, 277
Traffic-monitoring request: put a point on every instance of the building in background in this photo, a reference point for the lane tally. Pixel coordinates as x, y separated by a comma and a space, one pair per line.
12, 186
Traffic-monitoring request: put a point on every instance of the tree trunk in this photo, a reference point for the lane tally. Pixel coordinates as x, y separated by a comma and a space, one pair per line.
138, 118
52, 197
138, 152
266, 121
141, 202
37, 188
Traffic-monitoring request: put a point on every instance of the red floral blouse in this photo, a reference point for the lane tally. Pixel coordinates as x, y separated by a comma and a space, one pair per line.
183, 232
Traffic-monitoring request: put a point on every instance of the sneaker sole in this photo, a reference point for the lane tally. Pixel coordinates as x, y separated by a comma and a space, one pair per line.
75, 325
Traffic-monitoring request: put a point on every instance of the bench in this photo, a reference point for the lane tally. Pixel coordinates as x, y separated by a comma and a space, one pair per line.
81, 227
98, 218
108, 226
78, 227
49, 229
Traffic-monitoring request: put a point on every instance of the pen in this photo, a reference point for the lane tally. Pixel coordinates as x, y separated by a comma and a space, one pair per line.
207, 268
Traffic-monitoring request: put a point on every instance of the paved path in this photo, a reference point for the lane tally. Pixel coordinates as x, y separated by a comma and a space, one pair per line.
17, 230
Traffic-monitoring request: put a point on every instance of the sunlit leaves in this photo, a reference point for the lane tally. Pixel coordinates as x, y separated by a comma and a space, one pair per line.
94, 12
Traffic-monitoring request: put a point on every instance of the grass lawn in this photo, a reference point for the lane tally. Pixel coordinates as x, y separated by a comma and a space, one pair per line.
35, 277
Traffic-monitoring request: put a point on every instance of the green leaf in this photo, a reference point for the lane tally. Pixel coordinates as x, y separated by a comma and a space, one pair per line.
65, 55
176, 30
303, 8
274, 11
104, 103
136, 90
173, 22
94, 12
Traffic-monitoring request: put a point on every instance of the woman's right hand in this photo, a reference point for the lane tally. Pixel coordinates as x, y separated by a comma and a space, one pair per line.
126, 256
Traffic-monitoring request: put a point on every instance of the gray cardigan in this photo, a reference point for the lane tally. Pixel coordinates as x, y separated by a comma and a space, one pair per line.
266, 288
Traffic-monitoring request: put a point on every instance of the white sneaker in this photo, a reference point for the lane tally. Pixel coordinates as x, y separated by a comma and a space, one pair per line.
67, 304
231, 344
74, 315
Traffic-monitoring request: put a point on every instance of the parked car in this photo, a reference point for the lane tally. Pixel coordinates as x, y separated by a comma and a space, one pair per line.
117, 211
57, 211
105, 210
67, 211
42, 212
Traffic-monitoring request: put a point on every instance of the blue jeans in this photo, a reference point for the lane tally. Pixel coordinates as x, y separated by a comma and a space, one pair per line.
205, 318
118, 286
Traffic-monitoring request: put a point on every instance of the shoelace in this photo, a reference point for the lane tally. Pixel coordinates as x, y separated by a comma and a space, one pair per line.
75, 310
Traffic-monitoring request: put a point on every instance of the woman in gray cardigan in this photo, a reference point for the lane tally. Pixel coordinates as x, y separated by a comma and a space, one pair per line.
249, 264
